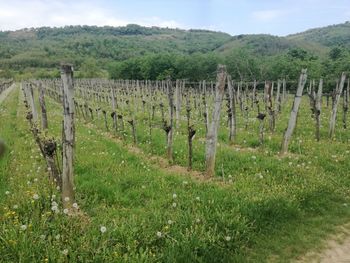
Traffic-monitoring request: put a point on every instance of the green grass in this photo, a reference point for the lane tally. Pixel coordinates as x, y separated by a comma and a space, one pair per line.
269, 209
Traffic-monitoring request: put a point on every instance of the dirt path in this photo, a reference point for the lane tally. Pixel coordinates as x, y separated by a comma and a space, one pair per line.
4, 95
336, 249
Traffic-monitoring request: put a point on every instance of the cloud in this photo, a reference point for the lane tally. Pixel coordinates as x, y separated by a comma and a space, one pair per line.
18, 14
268, 15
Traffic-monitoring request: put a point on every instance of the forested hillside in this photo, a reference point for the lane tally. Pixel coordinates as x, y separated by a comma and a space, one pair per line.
156, 53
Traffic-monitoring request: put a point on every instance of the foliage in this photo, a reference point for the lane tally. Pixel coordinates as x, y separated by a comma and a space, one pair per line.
151, 52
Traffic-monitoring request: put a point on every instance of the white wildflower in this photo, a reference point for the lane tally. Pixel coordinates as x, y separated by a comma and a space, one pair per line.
103, 229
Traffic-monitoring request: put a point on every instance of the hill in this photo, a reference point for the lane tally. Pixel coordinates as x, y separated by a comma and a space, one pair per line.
152, 52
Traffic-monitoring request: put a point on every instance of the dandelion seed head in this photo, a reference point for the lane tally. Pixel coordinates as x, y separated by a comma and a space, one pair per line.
103, 229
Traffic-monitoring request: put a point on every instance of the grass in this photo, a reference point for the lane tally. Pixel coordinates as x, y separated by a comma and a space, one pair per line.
265, 209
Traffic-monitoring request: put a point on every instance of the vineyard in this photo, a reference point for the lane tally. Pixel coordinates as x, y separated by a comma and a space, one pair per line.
99, 170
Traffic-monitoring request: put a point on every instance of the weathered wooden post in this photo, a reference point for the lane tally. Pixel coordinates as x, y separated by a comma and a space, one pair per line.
284, 90
68, 136
232, 110
338, 92
318, 109
294, 113
30, 97
212, 135
278, 100
346, 103
43, 107
269, 104
114, 114
206, 108
178, 102
170, 128
191, 132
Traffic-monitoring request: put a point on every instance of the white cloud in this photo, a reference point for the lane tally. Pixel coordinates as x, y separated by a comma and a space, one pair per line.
18, 14
268, 15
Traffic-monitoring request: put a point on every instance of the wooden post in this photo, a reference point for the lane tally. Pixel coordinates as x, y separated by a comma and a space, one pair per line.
68, 139
318, 109
191, 132
178, 102
30, 96
278, 99
346, 104
294, 113
338, 92
115, 126
43, 107
206, 108
170, 130
232, 110
284, 90
214, 126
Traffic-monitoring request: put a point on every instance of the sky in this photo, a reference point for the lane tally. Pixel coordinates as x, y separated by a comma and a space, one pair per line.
276, 17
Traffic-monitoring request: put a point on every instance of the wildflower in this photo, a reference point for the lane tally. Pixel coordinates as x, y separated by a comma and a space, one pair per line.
227, 238
174, 204
198, 198
65, 252
174, 196
66, 199
23, 227
198, 220
57, 237
170, 222
54, 208
35, 196
53, 203
75, 205
7, 192
159, 234
15, 207
103, 229
65, 210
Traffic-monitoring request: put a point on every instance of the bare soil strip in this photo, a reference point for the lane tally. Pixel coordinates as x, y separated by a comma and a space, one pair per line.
336, 249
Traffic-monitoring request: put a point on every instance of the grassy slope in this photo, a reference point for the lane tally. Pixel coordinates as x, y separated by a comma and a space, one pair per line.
274, 218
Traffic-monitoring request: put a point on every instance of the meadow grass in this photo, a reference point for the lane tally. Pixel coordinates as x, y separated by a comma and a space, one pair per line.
264, 209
